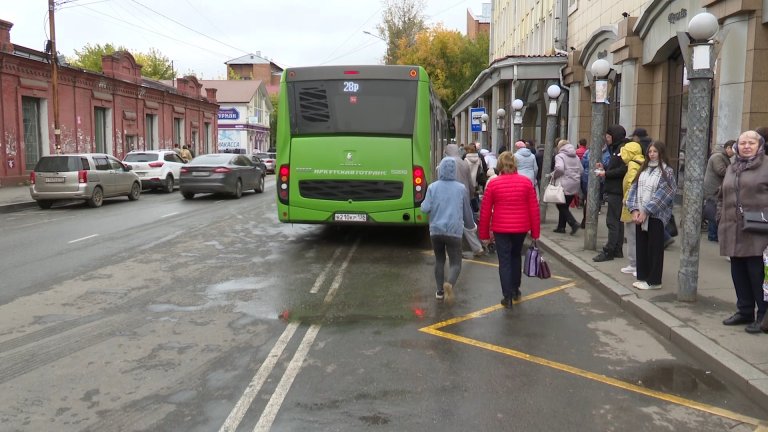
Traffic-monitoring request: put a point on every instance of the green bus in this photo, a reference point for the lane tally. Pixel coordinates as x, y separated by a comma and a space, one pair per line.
357, 144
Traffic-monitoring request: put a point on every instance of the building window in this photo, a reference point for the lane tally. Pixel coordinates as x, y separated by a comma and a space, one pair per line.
130, 143
100, 129
178, 131
614, 101
573, 5
33, 143
150, 131
207, 138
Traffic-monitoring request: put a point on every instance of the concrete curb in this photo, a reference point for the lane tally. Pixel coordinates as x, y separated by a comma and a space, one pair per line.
10, 208
752, 381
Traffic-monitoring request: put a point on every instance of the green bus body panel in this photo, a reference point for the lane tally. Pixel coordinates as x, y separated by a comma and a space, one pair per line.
355, 157
340, 158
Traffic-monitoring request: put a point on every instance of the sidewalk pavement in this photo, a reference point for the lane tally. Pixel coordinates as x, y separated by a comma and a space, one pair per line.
735, 355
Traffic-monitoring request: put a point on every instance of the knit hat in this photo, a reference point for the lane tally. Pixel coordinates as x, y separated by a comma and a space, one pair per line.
640, 133
520, 144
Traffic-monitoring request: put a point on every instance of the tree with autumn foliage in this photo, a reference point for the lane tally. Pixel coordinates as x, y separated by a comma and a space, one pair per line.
402, 20
452, 60
154, 64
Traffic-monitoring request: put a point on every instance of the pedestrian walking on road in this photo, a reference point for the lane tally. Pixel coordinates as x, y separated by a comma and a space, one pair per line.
613, 173
447, 204
526, 163
464, 177
717, 165
745, 188
632, 155
650, 202
508, 212
567, 172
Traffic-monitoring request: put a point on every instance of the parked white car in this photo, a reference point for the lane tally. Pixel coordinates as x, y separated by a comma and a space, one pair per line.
157, 169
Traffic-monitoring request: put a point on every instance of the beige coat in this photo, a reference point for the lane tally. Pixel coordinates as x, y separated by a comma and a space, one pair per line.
753, 191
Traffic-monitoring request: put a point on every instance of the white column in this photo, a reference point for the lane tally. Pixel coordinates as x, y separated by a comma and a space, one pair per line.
494, 119
731, 72
461, 135
628, 95
574, 95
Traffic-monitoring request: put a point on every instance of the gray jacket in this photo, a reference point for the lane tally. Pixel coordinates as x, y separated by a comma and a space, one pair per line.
713, 177
568, 170
526, 164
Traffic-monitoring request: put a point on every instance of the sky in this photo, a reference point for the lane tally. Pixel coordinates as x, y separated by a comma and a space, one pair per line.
200, 35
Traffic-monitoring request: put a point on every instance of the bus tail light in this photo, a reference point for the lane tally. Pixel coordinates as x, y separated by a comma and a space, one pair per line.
283, 177
419, 185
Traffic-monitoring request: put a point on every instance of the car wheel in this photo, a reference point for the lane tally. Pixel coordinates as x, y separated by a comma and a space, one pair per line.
168, 185
135, 191
44, 204
187, 195
238, 189
97, 199
260, 185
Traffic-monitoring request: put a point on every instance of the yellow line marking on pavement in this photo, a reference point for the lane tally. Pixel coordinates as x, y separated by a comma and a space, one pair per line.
434, 330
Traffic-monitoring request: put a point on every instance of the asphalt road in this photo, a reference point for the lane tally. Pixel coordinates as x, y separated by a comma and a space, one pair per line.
209, 315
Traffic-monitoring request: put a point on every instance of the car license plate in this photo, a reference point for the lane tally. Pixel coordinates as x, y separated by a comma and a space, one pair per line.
350, 217
200, 173
54, 179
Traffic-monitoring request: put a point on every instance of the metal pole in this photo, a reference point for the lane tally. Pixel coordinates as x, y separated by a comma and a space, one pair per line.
697, 145
549, 144
593, 187
54, 78
518, 135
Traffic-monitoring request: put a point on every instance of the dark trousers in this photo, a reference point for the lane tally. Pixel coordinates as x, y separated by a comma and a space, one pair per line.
443, 245
650, 252
564, 214
614, 224
508, 250
747, 275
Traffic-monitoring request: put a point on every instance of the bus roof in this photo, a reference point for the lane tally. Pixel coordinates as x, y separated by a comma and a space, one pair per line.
393, 72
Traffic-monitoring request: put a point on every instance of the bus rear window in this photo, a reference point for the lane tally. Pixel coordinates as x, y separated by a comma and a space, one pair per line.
352, 106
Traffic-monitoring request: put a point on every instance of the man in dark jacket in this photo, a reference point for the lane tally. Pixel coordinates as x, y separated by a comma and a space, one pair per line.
615, 138
641, 137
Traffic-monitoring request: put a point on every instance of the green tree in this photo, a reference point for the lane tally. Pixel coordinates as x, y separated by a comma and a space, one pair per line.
452, 60
155, 65
402, 21
89, 57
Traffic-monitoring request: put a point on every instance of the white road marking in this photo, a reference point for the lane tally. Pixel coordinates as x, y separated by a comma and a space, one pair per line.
273, 406
43, 222
238, 412
162, 240
339, 276
169, 215
83, 238
320, 279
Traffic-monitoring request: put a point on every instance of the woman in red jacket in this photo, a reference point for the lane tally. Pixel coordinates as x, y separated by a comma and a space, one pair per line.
510, 210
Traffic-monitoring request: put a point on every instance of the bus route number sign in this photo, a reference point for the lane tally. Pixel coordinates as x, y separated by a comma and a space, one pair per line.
351, 87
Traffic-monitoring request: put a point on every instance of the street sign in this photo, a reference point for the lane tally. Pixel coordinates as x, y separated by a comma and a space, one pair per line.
476, 115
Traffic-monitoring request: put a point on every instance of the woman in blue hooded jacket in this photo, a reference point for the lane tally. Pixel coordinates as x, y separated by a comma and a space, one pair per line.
447, 204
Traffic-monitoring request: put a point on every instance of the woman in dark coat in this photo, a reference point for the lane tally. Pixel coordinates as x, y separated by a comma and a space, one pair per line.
745, 187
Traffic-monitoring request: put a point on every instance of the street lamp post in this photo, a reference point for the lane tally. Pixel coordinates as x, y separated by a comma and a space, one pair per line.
600, 69
483, 129
517, 134
500, 114
697, 48
553, 92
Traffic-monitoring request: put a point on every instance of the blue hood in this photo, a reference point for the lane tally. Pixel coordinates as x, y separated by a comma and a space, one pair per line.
447, 169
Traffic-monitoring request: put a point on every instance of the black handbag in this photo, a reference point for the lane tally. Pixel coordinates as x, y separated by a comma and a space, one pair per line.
672, 227
756, 221
752, 221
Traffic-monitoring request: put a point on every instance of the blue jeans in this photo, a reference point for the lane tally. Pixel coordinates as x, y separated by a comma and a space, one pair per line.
443, 245
508, 248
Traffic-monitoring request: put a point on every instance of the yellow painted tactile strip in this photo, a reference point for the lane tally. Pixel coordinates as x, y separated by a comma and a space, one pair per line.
435, 331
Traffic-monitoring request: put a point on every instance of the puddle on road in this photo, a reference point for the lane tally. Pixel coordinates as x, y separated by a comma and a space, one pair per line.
675, 378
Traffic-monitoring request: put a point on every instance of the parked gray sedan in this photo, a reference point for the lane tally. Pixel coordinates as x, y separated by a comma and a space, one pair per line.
221, 173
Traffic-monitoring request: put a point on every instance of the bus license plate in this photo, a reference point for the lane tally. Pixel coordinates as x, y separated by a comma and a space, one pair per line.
350, 217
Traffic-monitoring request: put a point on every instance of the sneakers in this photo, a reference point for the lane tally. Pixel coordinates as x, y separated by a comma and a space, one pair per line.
479, 253
643, 285
559, 230
506, 302
517, 295
440, 295
629, 270
448, 288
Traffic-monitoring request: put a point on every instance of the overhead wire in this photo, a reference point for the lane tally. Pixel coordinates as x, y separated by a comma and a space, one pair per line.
353, 34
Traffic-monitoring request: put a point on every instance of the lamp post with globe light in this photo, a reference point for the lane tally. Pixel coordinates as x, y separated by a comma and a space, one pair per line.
500, 114
483, 130
600, 70
517, 106
697, 48
553, 92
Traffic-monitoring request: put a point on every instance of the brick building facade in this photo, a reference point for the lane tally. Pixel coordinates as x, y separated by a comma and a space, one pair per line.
111, 112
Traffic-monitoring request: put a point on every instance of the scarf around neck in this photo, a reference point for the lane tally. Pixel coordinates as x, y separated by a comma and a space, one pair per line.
647, 184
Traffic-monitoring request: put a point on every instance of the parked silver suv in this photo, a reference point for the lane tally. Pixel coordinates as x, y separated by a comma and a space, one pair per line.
88, 176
